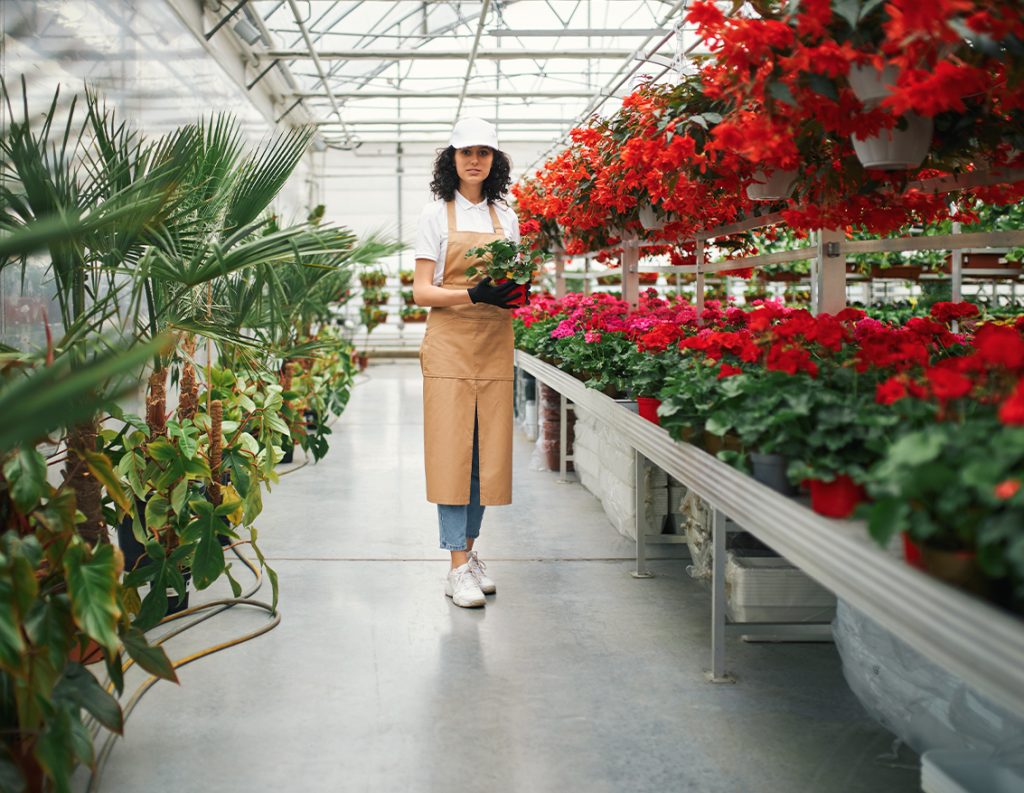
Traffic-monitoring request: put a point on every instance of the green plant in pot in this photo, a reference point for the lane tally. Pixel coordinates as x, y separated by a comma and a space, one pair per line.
954, 490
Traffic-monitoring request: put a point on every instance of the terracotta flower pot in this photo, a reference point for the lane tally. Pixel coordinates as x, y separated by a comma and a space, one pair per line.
957, 568
911, 552
648, 407
836, 499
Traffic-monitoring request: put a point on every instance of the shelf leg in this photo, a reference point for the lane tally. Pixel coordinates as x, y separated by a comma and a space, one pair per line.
563, 439
638, 520
717, 673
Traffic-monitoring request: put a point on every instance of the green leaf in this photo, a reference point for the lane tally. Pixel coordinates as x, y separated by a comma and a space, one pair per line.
781, 92
886, 518
157, 511
178, 496
25, 473
916, 448
100, 467
55, 749
150, 657
78, 687
208, 563
92, 586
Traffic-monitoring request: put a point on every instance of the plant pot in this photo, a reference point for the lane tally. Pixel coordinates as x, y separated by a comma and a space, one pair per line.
518, 294
871, 85
175, 603
906, 272
911, 552
92, 654
647, 407
897, 149
957, 568
362, 361
649, 217
784, 276
836, 499
288, 447
770, 470
983, 261
774, 187
629, 404
312, 419
647, 279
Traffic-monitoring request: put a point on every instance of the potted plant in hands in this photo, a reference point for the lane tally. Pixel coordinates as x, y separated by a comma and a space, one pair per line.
504, 261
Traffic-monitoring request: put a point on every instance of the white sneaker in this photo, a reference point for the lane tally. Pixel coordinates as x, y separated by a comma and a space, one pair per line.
476, 567
461, 587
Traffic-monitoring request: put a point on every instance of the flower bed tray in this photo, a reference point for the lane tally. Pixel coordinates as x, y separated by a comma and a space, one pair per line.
771, 589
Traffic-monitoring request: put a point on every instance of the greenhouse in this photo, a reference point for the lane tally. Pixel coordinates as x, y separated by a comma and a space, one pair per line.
520, 396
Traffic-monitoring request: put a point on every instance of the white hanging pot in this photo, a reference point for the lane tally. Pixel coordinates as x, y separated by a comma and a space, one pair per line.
897, 149
871, 85
648, 217
775, 187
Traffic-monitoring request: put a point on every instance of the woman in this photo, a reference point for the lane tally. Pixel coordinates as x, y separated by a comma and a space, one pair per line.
467, 352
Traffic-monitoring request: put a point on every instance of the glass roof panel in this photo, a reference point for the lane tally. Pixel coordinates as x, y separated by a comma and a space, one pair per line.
378, 71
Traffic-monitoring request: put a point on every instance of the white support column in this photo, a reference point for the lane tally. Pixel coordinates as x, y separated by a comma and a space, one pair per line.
630, 274
957, 273
559, 272
700, 280
830, 295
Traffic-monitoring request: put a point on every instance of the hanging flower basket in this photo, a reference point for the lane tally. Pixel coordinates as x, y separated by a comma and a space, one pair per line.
871, 85
984, 261
774, 187
897, 149
906, 272
649, 218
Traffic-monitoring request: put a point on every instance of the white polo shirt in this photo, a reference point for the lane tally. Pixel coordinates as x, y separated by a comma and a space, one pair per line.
432, 234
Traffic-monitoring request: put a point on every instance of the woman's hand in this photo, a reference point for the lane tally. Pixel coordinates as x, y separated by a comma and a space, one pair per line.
500, 296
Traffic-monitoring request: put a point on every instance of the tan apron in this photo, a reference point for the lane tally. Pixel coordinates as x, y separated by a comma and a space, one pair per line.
467, 361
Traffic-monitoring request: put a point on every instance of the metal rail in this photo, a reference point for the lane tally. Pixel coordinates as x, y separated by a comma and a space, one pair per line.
970, 638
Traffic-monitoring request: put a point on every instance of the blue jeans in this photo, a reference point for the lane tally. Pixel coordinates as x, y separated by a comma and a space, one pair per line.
458, 522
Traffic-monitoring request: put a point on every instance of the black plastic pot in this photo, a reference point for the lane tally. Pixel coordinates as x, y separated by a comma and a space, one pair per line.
770, 470
175, 603
312, 419
289, 451
132, 549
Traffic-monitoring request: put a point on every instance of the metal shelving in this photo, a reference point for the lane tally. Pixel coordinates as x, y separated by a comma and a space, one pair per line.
972, 639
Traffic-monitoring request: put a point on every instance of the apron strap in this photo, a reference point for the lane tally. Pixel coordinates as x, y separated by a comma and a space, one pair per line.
451, 219
498, 229
494, 220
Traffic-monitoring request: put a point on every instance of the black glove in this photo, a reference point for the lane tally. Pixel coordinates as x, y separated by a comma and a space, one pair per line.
500, 296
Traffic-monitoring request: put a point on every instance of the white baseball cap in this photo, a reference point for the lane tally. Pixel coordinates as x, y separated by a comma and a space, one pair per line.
474, 132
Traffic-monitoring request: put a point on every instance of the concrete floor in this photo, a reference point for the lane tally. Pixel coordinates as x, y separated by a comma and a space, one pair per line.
575, 677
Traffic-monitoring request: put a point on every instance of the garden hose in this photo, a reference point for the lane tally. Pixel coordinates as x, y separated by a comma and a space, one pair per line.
212, 608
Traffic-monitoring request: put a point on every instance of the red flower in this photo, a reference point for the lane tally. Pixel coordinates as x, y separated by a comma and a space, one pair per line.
999, 345
1007, 489
947, 312
892, 390
529, 227
1012, 410
728, 370
948, 384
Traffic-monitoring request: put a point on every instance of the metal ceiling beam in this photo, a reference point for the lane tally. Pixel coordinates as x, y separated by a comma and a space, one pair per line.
434, 122
578, 32
316, 62
474, 51
373, 94
445, 55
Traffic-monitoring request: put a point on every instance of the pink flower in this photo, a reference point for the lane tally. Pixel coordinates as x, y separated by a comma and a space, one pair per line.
564, 330
592, 336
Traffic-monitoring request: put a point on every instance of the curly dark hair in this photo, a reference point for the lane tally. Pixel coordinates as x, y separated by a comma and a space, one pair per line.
446, 178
